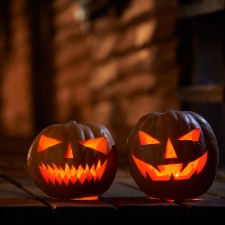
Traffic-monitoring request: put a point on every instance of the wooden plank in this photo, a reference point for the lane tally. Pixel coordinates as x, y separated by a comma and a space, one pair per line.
19, 207
201, 8
84, 211
133, 204
133, 209
74, 210
123, 201
202, 94
123, 190
207, 207
123, 186
137, 207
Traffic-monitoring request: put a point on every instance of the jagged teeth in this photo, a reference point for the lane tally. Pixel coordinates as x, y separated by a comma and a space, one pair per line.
71, 174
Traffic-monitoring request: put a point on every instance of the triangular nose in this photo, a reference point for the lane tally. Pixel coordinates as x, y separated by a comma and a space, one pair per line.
69, 152
170, 152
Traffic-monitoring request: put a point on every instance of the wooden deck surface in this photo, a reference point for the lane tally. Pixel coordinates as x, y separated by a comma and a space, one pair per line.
22, 202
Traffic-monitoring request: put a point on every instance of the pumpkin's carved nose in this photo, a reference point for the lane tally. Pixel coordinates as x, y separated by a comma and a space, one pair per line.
69, 152
170, 152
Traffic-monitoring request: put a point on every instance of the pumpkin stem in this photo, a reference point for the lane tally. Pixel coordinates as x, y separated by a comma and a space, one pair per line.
72, 122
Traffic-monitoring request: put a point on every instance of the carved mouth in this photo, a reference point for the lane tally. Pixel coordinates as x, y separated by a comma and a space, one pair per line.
56, 174
175, 171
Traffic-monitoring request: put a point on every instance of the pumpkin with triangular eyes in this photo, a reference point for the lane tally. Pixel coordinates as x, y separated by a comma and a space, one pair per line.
73, 160
173, 155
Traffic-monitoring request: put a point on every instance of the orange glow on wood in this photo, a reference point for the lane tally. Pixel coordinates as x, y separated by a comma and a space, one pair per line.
71, 174
69, 152
191, 136
170, 152
165, 172
98, 144
46, 142
91, 198
146, 139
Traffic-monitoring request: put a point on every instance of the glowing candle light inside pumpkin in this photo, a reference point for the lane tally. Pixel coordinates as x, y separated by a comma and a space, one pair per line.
172, 154
73, 160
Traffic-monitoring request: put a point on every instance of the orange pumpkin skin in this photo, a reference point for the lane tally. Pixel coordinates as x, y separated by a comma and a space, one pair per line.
173, 155
73, 160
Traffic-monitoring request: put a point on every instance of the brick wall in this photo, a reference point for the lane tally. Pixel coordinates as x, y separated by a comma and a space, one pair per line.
110, 68
114, 68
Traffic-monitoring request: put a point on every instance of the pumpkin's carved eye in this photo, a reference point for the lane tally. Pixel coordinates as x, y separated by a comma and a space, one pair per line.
46, 142
146, 139
191, 136
98, 144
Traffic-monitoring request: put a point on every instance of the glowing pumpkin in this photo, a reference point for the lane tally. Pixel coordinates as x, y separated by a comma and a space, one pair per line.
73, 160
173, 155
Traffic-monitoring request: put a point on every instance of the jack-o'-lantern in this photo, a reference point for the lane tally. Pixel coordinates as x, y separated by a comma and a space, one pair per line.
173, 155
73, 160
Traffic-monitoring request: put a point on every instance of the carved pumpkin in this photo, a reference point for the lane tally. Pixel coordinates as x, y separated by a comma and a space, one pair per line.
173, 155
73, 160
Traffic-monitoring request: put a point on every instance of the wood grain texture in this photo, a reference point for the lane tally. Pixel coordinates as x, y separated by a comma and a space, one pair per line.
22, 201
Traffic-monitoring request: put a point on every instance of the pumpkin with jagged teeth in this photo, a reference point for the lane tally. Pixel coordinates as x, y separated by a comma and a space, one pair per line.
73, 160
